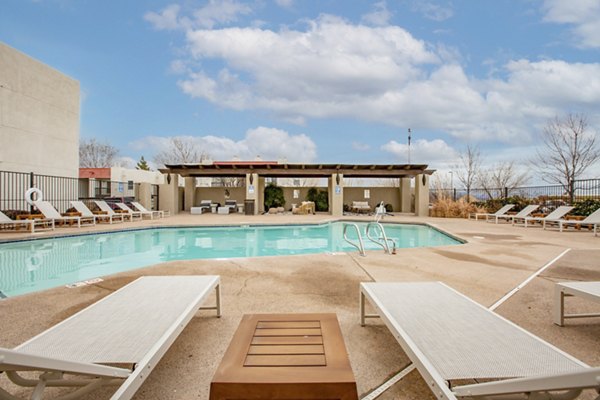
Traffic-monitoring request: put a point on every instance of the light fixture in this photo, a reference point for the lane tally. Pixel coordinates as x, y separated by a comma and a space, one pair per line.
169, 178
424, 179
337, 178
251, 178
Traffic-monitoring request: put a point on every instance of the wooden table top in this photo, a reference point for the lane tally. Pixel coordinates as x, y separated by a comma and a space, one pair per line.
299, 356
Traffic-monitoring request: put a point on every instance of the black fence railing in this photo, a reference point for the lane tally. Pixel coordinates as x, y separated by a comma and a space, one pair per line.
58, 190
549, 195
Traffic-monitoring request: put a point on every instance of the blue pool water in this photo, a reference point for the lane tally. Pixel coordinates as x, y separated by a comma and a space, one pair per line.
33, 265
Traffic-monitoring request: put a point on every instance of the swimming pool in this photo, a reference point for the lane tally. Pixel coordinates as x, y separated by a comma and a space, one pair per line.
33, 265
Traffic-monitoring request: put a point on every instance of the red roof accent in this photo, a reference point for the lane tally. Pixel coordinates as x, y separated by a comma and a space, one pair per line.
95, 173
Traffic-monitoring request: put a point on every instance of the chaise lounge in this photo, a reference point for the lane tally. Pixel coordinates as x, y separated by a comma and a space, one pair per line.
51, 213
450, 338
554, 216
524, 213
141, 208
30, 224
86, 212
107, 210
501, 211
592, 219
134, 326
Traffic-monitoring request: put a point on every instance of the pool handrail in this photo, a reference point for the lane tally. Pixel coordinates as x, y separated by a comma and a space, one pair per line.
360, 246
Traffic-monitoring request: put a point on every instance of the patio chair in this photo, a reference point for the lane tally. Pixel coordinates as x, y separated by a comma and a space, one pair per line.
86, 212
107, 209
554, 216
134, 214
449, 337
139, 207
592, 219
501, 211
232, 204
587, 290
205, 206
51, 213
134, 326
520, 215
30, 224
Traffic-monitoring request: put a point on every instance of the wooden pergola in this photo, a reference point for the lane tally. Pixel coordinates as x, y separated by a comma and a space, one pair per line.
270, 169
255, 173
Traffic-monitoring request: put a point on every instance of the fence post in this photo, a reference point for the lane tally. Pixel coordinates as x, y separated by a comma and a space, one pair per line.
31, 184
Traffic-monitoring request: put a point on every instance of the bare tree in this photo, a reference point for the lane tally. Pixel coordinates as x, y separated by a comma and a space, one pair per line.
500, 176
567, 151
180, 150
228, 182
93, 154
468, 170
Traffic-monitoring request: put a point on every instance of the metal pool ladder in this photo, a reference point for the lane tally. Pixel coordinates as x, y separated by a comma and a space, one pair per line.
359, 246
382, 240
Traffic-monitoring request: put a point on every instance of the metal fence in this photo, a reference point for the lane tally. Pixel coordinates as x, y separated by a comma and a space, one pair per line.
58, 190
544, 195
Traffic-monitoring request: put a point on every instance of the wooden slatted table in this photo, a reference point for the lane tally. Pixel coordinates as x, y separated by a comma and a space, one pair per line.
285, 356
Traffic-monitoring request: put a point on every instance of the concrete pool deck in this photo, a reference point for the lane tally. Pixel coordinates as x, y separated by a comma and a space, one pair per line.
495, 259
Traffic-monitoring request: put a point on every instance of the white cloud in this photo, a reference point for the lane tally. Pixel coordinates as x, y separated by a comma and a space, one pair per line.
584, 15
360, 146
433, 11
380, 16
422, 151
285, 3
214, 13
336, 69
167, 19
270, 144
220, 12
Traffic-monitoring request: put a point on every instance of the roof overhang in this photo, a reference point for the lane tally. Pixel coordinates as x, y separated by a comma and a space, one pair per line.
277, 170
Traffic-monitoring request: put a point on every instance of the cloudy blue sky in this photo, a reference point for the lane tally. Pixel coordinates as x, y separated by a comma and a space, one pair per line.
320, 81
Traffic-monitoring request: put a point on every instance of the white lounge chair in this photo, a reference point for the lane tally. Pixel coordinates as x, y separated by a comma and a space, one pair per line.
134, 214
592, 219
587, 290
501, 211
157, 213
51, 213
86, 212
554, 216
107, 209
449, 337
134, 326
524, 213
30, 224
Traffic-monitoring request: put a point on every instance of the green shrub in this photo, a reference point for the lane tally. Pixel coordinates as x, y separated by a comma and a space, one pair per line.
585, 207
274, 196
319, 197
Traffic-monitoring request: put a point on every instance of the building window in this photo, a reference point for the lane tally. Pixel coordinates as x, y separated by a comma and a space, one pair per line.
129, 185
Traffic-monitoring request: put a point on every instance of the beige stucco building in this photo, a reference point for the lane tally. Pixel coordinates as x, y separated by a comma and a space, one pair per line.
39, 117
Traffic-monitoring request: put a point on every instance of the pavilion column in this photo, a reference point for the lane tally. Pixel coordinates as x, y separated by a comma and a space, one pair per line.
336, 194
168, 194
260, 207
252, 190
422, 195
405, 195
189, 193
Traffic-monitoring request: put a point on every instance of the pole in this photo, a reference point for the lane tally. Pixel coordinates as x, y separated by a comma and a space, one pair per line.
409, 145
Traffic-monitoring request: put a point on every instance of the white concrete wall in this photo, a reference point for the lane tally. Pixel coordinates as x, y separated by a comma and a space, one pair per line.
39, 117
119, 174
